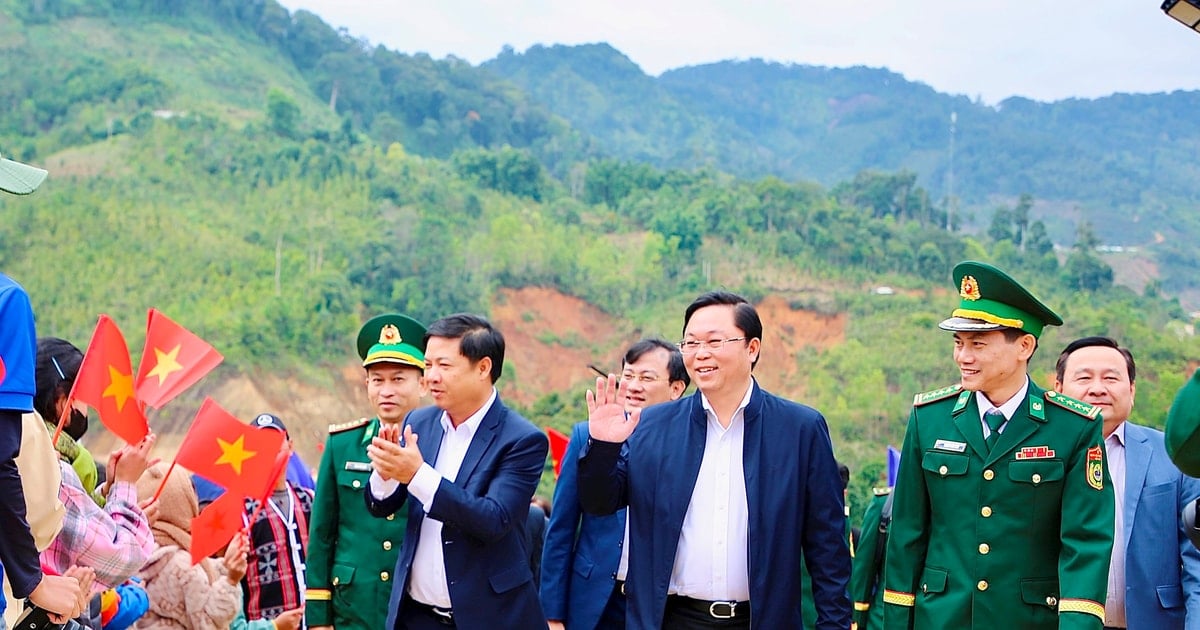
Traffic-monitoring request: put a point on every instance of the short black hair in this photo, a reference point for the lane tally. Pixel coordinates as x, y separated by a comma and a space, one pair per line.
1060, 368
477, 338
745, 317
675, 368
1011, 335
844, 473
55, 369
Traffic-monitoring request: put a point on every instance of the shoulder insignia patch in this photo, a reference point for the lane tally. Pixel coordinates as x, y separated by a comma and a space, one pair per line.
346, 426
936, 395
1090, 412
881, 492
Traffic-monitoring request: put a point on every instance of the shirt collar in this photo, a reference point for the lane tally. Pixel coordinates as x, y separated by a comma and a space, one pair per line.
1118, 435
1009, 407
472, 423
745, 400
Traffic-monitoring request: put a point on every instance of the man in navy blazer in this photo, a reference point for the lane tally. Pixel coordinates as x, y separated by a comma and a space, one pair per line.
471, 466
725, 489
584, 557
1154, 575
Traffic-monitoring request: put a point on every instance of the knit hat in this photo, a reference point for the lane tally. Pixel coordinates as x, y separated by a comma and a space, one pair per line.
177, 505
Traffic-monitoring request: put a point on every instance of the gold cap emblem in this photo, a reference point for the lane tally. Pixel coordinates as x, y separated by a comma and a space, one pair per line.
389, 335
969, 289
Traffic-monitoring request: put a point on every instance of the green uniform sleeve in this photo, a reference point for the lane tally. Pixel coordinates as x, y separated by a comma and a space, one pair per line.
862, 577
1088, 517
908, 534
322, 540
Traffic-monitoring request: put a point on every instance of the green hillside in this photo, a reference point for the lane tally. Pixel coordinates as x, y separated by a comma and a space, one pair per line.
198, 167
1122, 162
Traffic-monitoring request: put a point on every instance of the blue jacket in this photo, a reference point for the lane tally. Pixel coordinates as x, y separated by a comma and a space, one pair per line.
483, 514
578, 571
1159, 592
793, 492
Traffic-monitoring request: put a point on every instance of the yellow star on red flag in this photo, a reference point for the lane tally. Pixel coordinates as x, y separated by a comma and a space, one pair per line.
165, 364
120, 387
234, 453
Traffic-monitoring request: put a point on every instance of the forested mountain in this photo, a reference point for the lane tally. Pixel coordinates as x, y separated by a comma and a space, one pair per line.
270, 182
1123, 162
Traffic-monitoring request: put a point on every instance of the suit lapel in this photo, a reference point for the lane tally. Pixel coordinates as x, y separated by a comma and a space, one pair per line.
1024, 423
481, 441
1137, 462
751, 453
971, 428
695, 436
429, 439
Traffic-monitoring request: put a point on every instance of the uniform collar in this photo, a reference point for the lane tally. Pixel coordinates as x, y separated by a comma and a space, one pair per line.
1009, 407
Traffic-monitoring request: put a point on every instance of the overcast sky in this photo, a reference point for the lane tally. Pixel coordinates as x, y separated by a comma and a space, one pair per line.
992, 49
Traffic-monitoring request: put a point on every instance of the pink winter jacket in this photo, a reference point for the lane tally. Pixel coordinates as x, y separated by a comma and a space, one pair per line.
186, 597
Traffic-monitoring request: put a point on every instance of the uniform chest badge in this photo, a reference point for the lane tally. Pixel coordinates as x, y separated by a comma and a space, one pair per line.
1095, 467
1035, 452
358, 466
948, 445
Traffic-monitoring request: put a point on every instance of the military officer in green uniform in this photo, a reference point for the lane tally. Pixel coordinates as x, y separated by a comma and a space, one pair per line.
1183, 427
1003, 515
866, 585
350, 553
1182, 436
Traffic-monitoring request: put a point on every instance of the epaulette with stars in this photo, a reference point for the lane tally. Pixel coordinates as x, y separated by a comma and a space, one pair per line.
1091, 412
936, 395
346, 426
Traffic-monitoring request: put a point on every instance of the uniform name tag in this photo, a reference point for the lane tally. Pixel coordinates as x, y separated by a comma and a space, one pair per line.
947, 445
1035, 452
359, 466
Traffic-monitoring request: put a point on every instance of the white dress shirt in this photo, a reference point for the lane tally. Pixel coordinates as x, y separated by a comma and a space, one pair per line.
713, 556
1009, 407
427, 583
1114, 604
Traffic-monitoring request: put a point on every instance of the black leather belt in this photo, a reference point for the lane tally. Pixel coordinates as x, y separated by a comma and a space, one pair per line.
444, 616
619, 586
716, 610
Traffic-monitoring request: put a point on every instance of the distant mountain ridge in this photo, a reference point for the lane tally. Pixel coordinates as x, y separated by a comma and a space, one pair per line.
1121, 157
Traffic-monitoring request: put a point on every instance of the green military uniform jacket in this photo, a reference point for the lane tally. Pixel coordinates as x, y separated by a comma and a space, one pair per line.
351, 554
1019, 537
866, 587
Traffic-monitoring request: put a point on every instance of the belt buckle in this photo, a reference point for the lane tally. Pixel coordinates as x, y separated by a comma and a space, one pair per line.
712, 610
445, 616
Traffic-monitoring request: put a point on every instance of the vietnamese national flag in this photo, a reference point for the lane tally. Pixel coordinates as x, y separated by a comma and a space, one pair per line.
558, 448
105, 381
173, 360
229, 452
217, 524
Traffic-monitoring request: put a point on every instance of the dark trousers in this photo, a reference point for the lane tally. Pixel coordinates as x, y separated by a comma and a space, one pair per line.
415, 616
613, 617
679, 618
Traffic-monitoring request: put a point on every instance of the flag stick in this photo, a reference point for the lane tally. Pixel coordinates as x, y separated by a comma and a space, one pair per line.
284, 455
62, 421
164, 481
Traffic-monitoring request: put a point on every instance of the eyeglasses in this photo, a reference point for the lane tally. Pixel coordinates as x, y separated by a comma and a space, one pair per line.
692, 346
644, 379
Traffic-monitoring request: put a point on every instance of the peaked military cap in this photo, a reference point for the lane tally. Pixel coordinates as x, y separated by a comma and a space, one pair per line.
991, 300
392, 338
1183, 427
